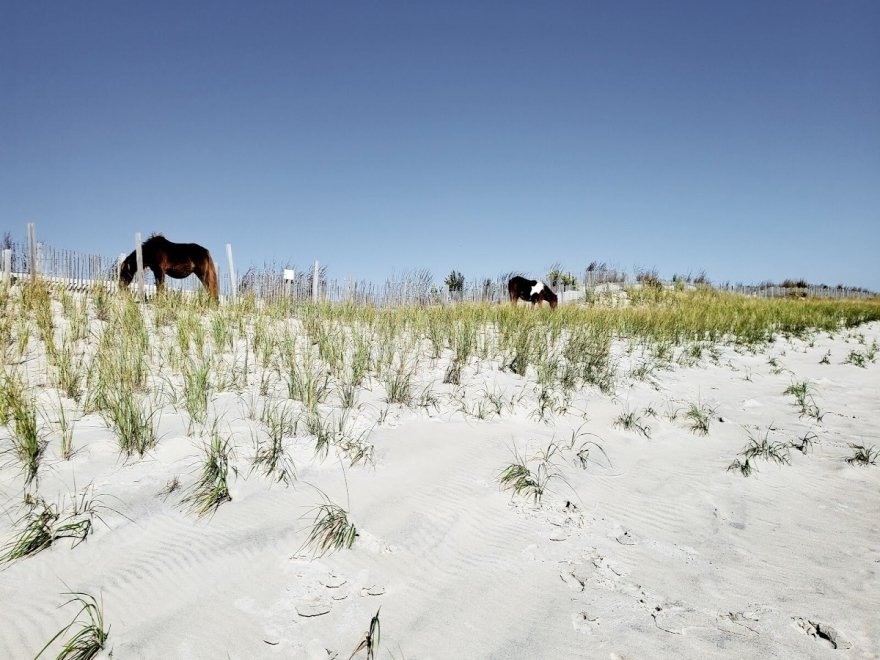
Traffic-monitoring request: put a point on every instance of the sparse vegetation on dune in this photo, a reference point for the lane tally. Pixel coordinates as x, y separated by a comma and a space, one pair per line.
313, 381
320, 354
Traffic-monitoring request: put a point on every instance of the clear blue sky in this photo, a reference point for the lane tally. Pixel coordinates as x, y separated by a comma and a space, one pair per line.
738, 137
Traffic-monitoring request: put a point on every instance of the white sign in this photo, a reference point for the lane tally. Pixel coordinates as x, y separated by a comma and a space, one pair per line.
289, 275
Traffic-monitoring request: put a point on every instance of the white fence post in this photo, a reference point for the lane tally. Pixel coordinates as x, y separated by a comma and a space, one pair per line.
315, 287
32, 249
233, 284
139, 253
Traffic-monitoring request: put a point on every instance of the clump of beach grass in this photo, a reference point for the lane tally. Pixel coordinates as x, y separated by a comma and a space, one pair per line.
65, 429
211, 489
369, 641
857, 358
775, 452
804, 394
399, 383
28, 440
332, 530
524, 481
804, 443
272, 456
42, 524
132, 419
863, 455
37, 531
699, 416
91, 637
196, 390
581, 447
69, 373
630, 421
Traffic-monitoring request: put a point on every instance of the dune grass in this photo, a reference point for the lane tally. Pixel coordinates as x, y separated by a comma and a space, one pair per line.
699, 417
530, 477
211, 488
332, 529
863, 455
91, 636
308, 352
27, 438
43, 523
369, 641
763, 448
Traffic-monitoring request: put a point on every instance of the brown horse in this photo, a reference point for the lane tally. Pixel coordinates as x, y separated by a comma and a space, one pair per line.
534, 291
177, 260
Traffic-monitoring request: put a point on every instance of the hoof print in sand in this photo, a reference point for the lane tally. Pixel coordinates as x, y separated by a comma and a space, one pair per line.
584, 622
375, 590
627, 538
341, 593
559, 535
312, 608
675, 618
338, 587
334, 581
573, 582
824, 632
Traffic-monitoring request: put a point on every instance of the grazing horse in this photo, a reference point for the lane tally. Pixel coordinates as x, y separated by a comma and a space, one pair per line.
535, 291
177, 260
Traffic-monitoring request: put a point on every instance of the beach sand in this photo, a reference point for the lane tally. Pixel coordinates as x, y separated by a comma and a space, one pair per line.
652, 550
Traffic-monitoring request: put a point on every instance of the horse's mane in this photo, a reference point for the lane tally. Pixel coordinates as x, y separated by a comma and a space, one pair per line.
155, 237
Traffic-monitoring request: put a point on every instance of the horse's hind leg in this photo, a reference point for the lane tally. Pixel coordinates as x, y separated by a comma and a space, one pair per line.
208, 276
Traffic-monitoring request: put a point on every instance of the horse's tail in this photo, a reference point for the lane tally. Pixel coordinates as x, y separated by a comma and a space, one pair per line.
211, 283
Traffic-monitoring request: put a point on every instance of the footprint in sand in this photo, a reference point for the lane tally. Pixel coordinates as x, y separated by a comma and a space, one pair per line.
823, 632
744, 624
312, 608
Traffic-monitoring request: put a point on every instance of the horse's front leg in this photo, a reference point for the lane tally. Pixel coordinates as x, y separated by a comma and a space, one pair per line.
159, 276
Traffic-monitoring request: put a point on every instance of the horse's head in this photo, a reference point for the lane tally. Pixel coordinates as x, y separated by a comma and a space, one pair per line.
127, 270
551, 298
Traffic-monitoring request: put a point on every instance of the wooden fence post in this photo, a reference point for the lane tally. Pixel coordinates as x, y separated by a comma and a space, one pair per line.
139, 253
233, 283
32, 249
7, 266
315, 287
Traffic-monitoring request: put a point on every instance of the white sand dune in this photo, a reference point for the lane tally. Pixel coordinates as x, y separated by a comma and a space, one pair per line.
661, 553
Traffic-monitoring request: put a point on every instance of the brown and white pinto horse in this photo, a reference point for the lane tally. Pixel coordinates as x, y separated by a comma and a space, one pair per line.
534, 291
